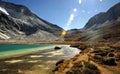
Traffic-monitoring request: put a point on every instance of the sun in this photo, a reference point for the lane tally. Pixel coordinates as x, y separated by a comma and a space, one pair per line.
63, 33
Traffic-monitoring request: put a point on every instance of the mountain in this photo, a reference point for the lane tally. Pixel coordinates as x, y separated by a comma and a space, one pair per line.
17, 22
104, 26
111, 15
73, 34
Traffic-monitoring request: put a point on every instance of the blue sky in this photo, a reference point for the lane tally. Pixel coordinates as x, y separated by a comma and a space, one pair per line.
67, 14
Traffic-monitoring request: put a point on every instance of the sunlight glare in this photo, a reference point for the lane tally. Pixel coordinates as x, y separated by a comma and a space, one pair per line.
101, 0
71, 17
64, 33
80, 1
75, 9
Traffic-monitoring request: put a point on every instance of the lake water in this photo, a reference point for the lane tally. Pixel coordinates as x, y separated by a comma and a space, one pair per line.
12, 49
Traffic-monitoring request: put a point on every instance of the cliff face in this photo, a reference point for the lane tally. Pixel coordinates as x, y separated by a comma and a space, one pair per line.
18, 22
101, 27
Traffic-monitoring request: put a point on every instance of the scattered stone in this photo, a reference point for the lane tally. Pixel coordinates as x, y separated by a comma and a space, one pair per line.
69, 72
97, 57
77, 72
59, 62
91, 66
101, 53
77, 65
111, 54
96, 51
89, 71
109, 61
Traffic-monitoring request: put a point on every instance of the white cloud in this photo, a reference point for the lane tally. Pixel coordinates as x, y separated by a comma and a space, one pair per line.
80, 1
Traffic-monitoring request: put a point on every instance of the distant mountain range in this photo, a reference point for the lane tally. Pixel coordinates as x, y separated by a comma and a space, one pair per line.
17, 22
104, 26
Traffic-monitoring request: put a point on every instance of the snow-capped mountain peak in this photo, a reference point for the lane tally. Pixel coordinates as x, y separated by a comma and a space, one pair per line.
4, 10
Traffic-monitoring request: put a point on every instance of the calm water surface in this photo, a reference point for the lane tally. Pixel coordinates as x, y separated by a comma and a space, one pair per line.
11, 49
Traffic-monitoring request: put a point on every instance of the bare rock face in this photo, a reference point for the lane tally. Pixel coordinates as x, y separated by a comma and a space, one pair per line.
18, 22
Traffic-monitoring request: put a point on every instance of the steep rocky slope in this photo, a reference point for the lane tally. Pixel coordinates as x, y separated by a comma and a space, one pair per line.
18, 22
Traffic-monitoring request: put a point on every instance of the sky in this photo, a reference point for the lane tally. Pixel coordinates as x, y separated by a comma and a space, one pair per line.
68, 14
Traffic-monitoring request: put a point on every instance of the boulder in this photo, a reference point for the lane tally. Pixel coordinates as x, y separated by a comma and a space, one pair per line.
69, 72
57, 48
96, 51
109, 61
59, 62
77, 72
111, 54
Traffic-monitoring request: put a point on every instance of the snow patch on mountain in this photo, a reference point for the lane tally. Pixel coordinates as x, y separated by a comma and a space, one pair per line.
4, 10
3, 36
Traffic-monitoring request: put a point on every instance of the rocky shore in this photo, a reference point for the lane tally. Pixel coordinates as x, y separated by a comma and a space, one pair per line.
95, 58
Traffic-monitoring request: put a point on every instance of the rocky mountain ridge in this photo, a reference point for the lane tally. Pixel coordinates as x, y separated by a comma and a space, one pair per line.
101, 27
21, 23
111, 15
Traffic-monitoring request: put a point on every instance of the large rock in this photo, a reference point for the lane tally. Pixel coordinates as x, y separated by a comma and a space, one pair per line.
109, 61
110, 54
57, 48
60, 62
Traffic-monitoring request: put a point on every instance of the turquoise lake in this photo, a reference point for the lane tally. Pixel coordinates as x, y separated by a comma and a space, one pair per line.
12, 49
